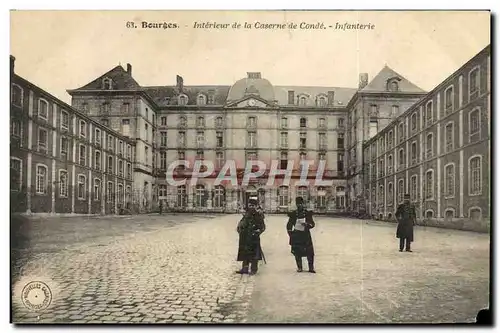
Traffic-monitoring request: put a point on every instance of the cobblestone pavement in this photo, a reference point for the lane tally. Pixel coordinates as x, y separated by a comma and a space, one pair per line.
141, 269
363, 278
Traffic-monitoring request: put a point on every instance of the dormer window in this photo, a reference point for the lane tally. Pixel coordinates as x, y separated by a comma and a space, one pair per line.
183, 100
211, 99
202, 100
302, 101
393, 84
107, 84
322, 101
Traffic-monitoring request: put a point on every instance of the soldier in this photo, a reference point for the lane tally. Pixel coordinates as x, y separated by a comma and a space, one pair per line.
299, 223
406, 217
250, 227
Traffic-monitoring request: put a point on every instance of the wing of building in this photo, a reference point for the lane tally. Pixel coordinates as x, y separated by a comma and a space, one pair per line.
251, 119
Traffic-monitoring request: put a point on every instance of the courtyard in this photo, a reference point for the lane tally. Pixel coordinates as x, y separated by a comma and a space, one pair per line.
180, 269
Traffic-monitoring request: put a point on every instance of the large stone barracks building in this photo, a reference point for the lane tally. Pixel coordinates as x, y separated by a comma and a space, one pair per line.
112, 148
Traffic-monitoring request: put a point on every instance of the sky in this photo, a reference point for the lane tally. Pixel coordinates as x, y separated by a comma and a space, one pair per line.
60, 50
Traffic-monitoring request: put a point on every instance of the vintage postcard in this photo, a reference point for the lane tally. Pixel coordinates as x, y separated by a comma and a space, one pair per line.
160, 162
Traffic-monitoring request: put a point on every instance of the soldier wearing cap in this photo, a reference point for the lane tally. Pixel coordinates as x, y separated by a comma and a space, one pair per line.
300, 222
250, 227
406, 217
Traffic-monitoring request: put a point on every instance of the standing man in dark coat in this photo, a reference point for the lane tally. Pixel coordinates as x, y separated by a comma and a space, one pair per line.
406, 217
250, 227
300, 222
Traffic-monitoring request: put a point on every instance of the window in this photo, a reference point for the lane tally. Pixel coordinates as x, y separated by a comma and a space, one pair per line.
303, 122
163, 139
16, 127
414, 122
429, 184
449, 213
449, 137
381, 194
162, 191
475, 124
429, 146
200, 139
448, 100
83, 129
390, 193
109, 192
373, 110
219, 197
413, 188
126, 107
97, 189
128, 194
340, 140
401, 190
303, 193
283, 196
402, 159
475, 175
110, 164
322, 141
401, 132
43, 109
16, 174
393, 86
414, 157
126, 127
97, 138
200, 122
219, 122
394, 111
322, 101
475, 213
64, 147
390, 164
81, 187
120, 193
252, 140
64, 120
16, 95
129, 151
474, 83
146, 155
200, 196
219, 156
163, 121
321, 198
251, 122
105, 107
284, 122
181, 196
449, 180
83, 155
107, 84
182, 100
42, 140
322, 123
146, 132
41, 179
340, 122
283, 160
211, 99
120, 168
390, 139
182, 139
182, 121
429, 214
302, 101
163, 160
98, 160
201, 100
429, 113
373, 129
200, 155
220, 139
129, 171
63, 183
303, 140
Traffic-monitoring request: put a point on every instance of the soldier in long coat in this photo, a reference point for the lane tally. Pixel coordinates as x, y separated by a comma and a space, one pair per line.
250, 227
406, 217
300, 222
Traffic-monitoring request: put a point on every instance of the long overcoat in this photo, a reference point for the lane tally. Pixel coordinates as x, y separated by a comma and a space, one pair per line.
406, 215
300, 241
250, 227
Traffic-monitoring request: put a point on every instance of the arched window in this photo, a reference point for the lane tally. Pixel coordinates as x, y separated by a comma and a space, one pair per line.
449, 136
41, 179
200, 196
97, 189
429, 184
394, 86
283, 196
302, 101
401, 190
82, 186
449, 214
182, 121
202, 100
303, 192
183, 100
63, 183
16, 95
414, 121
390, 193
429, 145
303, 122
107, 84
322, 101
475, 213
449, 180
429, 214
219, 196
321, 197
475, 175
475, 124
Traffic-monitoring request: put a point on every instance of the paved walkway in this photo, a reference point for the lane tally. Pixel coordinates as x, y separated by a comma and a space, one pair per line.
363, 278
179, 269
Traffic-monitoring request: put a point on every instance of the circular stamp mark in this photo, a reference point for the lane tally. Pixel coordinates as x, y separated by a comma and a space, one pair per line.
36, 296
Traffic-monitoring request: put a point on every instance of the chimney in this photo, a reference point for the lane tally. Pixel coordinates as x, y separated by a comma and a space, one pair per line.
363, 80
129, 69
291, 97
12, 63
331, 98
180, 83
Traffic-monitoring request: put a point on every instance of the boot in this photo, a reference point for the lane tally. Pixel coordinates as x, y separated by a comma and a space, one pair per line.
244, 268
254, 267
311, 265
298, 260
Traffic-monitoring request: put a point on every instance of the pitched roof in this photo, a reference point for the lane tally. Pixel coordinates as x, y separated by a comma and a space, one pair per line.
164, 95
379, 82
121, 79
